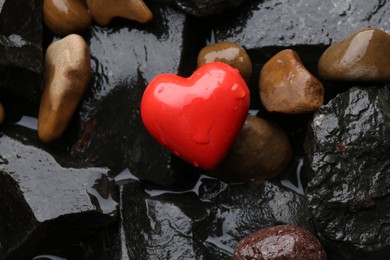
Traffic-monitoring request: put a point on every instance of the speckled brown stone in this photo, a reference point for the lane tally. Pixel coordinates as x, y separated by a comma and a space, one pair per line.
64, 17
362, 56
261, 151
2, 114
103, 11
280, 242
229, 53
286, 86
67, 74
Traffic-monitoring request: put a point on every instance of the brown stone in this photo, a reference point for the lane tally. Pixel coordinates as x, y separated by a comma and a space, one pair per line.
64, 17
286, 86
362, 56
280, 242
229, 53
2, 114
68, 69
103, 11
261, 152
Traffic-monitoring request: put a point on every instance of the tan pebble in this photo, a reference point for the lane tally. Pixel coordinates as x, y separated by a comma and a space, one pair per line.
362, 56
67, 74
103, 11
2, 114
286, 86
64, 17
261, 152
229, 53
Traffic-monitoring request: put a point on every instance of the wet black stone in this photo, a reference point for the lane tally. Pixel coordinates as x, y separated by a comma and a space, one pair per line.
125, 57
21, 63
44, 205
202, 8
187, 226
348, 169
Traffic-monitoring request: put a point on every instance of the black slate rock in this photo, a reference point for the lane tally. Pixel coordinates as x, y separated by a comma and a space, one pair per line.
348, 168
45, 205
21, 62
125, 57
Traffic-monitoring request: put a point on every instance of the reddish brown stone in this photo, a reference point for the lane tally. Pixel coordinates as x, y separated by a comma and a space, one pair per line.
362, 56
229, 53
280, 242
286, 86
261, 151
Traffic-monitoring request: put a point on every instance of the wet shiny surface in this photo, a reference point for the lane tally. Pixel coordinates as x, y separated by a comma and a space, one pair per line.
64, 17
197, 118
364, 55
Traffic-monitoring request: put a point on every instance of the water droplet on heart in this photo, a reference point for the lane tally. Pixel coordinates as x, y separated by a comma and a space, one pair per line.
234, 87
201, 137
235, 108
176, 153
196, 164
240, 94
161, 90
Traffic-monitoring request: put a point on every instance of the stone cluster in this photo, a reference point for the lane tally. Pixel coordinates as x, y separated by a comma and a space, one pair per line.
65, 17
310, 164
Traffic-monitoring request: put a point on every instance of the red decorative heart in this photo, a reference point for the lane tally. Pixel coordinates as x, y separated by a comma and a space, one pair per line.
197, 118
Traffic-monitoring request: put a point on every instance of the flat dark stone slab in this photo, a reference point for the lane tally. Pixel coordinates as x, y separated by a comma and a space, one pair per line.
60, 204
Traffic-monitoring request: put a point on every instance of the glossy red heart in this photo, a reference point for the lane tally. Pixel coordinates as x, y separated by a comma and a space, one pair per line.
197, 118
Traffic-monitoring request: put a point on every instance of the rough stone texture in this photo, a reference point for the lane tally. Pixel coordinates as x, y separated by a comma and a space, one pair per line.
125, 57
348, 163
280, 242
20, 47
44, 204
209, 226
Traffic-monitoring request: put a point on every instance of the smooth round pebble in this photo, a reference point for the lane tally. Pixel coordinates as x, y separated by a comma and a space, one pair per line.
286, 86
104, 11
67, 74
64, 17
362, 56
261, 152
229, 53
280, 242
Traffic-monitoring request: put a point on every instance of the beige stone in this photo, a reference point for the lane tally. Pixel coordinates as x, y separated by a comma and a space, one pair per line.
103, 11
229, 53
362, 56
67, 74
261, 152
286, 86
64, 17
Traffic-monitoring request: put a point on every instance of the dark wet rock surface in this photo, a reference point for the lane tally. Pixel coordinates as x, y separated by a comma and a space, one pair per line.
203, 8
21, 63
46, 205
125, 58
348, 163
205, 226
